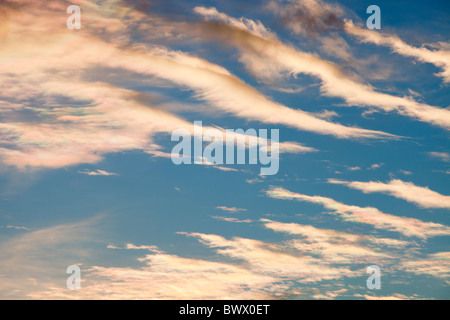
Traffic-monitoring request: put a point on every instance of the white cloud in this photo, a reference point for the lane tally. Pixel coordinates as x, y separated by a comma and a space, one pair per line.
436, 264
368, 215
421, 196
231, 209
228, 219
267, 57
99, 118
440, 58
17, 228
444, 156
35, 260
98, 172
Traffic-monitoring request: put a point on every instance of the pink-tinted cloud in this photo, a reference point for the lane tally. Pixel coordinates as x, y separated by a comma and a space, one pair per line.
231, 209
421, 196
98, 172
439, 57
368, 215
266, 57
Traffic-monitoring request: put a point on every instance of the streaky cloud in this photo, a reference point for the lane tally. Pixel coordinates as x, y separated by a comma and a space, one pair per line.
421, 196
266, 56
409, 227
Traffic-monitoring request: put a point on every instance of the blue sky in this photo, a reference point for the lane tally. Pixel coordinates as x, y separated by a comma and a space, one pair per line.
86, 178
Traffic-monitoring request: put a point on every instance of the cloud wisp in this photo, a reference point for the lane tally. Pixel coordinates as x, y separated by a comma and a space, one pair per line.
440, 57
231, 209
421, 196
100, 117
267, 57
409, 227
98, 172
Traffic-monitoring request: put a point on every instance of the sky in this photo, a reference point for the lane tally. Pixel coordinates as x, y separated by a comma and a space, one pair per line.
87, 179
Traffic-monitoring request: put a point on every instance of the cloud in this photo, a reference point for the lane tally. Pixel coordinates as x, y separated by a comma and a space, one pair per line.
99, 117
82, 134
59, 106
170, 277
307, 17
38, 259
334, 246
228, 93
421, 196
253, 181
271, 259
440, 58
444, 156
111, 125
368, 215
226, 169
17, 228
267, 57
231, 209
228, 219
315, 17
375, 166
244, 268
33, 265
98, 172
393, 297
257, 270
111, 246
436, 264
329, 236
245, 24
330, 295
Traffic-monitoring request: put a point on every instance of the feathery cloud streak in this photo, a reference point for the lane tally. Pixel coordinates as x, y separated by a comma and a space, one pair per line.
266, 56
109, 116
421, 196
440, 57
407, 226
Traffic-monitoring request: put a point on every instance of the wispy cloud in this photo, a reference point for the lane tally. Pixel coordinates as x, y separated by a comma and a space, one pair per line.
17, 228
253, 181
231, 209
266, 57
368, 215
312, 18
436, 264
375, 166
100, 117
38, 259
257, 270
271, 259
165, 276
98, 172
439, 57
393, 297
334, 246
229, 219
127, 80
244, 268
226, 169
421, 196
444, 156
309, 17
